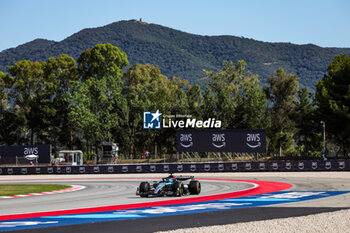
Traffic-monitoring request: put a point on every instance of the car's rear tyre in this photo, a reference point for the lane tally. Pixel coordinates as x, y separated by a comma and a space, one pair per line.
144, 189
179, 189
194, 187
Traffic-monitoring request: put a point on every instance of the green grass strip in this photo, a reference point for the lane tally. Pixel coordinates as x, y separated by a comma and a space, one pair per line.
17, 189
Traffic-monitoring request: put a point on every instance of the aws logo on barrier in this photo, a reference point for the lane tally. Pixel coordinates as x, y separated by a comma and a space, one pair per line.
186, 140
221, 141
253, 140
218, 140
31, 151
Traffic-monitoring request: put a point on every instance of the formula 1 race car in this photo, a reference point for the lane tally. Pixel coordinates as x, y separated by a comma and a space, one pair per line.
169, 186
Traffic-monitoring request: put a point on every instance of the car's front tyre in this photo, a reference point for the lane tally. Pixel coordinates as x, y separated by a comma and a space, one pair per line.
144, 189
194, 187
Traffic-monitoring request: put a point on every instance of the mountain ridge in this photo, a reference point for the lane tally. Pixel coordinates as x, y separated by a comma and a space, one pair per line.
183, 54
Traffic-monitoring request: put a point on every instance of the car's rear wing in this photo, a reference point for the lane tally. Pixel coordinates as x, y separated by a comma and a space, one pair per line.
184, 177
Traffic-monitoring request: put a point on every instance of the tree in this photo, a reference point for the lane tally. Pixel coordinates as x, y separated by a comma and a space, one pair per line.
97, 103
233, 96
10, 122
307, 136
3, 90
222, 91
251, 111
195, 99
333, 101
32, 95
102, 60
178, 105
179, 102
146, 89
63, 72
79, 111
281, 92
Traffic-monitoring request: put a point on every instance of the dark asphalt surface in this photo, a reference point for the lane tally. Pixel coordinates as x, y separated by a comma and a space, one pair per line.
147, 225
301, 182
100, 193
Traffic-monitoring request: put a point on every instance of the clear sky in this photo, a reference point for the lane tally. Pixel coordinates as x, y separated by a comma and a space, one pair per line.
320, 22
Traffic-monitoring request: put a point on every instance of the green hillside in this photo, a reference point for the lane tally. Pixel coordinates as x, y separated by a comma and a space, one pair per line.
182, 54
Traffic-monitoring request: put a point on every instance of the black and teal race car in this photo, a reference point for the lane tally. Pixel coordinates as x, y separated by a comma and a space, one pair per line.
170, 186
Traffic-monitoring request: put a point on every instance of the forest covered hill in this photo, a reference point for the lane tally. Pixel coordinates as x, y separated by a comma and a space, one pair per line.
182, 54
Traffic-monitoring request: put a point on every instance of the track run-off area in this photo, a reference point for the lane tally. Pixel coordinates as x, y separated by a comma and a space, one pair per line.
109, 202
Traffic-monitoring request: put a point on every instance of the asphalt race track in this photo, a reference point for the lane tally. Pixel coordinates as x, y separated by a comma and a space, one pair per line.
299, 194
98, 192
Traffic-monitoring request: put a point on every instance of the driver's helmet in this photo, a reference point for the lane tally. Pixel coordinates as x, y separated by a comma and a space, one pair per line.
171, 178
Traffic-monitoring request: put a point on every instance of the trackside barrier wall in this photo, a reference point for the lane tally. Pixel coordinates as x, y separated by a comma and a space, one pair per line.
8, 154
232, 140
271, 166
